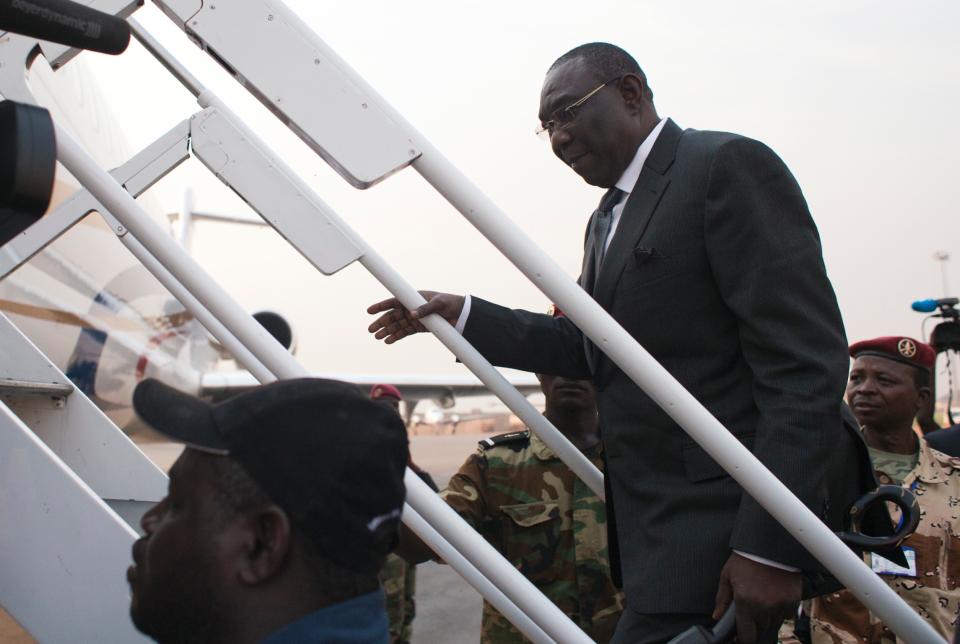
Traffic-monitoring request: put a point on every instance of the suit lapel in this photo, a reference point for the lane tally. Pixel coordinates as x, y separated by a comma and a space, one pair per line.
586, 283
637, 212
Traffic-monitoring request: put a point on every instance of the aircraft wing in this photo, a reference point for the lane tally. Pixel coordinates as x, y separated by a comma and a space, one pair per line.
444, 388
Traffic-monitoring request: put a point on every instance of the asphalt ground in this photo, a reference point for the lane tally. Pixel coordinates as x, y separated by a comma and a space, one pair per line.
448, 609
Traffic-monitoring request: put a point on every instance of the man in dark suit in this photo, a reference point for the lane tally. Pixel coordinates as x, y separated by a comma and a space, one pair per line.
704, 250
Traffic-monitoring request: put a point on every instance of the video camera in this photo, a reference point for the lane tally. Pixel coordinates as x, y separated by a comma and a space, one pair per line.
28, 147
946, 335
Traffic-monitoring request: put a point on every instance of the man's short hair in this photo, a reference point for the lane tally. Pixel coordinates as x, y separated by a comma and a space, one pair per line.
607, 61
236, 491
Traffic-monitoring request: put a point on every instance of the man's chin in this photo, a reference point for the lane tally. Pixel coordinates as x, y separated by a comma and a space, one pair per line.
573, 402
136, 616
865, 415
589, 177
169, 629
143, 621
593, 177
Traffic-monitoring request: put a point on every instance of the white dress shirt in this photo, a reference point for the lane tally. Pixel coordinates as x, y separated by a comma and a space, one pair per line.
629, 179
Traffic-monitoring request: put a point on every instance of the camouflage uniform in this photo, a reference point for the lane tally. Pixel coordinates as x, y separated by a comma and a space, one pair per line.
399, 581
547, 523
933, 592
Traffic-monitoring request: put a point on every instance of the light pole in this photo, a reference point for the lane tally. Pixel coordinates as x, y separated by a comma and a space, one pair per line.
943, 257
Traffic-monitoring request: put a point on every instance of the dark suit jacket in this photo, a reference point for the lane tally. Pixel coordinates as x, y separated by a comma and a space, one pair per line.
716, 269
945, 440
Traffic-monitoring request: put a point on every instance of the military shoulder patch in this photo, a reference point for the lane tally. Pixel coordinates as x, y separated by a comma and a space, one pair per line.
517, 440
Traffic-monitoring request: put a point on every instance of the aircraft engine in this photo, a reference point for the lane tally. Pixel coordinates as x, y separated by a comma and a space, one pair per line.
446, 400
279, 328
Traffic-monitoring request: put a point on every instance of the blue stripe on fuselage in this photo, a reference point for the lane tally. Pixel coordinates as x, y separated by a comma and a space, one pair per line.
83, 363
82, 367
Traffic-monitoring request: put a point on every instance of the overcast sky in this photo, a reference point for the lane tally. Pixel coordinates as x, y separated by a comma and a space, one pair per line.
859, 98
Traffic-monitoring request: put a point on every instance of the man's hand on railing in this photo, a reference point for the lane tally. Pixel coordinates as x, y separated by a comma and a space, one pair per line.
398, 322
764, 596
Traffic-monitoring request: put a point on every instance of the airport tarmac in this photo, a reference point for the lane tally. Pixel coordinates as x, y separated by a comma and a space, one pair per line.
448, 609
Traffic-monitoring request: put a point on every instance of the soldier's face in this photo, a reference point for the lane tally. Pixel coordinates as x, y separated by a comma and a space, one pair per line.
883, 393
568, 395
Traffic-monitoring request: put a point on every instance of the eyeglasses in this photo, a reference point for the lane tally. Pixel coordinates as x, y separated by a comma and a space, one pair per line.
565, 116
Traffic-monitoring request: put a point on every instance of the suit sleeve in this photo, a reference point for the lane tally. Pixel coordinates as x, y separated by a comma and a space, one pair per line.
766, 257
526, 341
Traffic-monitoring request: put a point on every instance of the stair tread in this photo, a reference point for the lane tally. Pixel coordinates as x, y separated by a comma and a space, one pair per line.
9, 386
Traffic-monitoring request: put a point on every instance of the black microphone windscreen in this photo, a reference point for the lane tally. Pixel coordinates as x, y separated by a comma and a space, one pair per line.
67, 23
28, 156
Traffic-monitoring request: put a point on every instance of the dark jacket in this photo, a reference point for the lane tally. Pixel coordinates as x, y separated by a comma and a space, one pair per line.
716, 269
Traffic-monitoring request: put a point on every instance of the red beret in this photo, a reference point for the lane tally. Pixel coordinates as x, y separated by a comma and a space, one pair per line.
385, 392
895, 347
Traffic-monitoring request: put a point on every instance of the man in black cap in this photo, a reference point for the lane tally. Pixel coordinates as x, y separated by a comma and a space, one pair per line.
279, 514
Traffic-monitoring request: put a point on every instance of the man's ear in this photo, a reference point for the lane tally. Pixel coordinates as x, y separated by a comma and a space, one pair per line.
632, 89
266, 541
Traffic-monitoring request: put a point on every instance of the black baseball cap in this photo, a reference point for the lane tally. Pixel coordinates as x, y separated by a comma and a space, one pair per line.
329, 456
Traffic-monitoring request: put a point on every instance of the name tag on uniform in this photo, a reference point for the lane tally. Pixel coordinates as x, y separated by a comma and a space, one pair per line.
883, 566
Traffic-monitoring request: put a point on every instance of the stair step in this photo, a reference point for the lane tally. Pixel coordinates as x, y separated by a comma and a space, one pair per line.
11, 387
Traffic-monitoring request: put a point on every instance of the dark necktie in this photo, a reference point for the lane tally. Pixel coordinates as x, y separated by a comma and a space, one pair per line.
601, 226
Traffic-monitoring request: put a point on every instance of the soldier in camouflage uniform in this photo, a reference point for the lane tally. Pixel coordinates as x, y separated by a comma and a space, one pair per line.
399, 581
888, 384
540, 516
